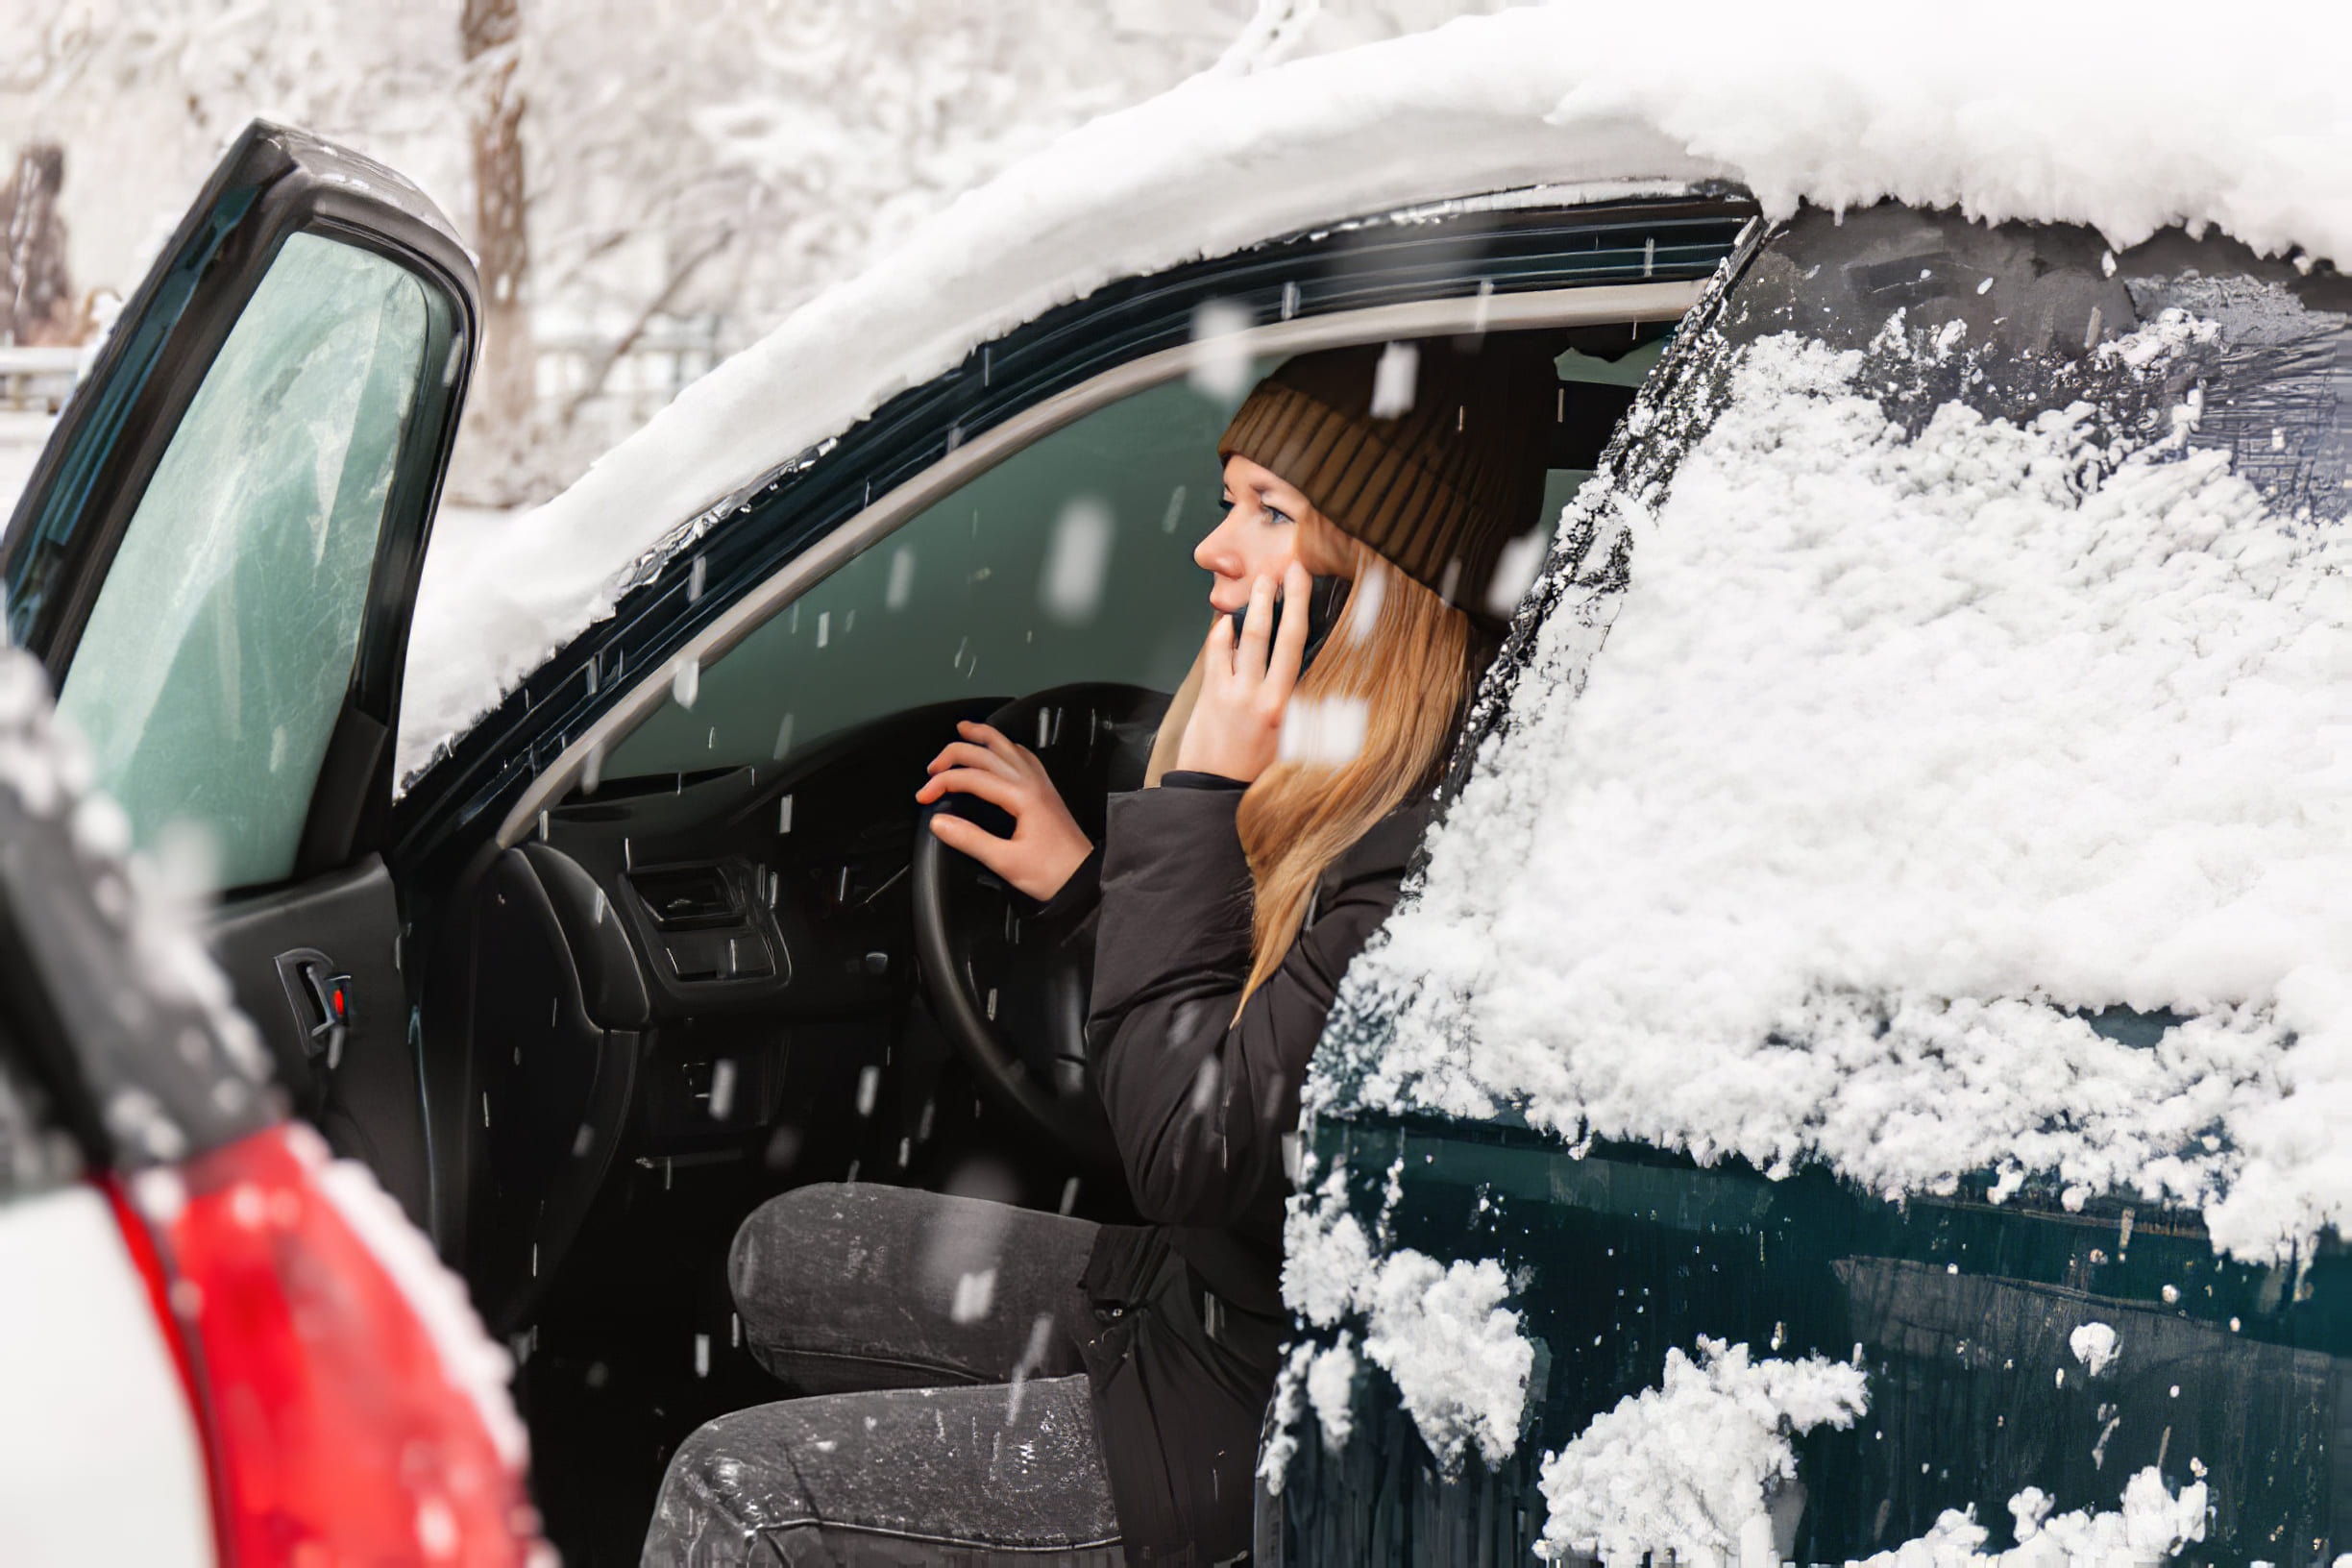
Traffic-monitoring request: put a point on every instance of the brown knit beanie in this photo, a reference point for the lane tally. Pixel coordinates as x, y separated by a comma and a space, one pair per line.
1438, 485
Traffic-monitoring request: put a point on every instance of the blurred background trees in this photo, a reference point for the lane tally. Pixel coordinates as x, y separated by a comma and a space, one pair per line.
649, 185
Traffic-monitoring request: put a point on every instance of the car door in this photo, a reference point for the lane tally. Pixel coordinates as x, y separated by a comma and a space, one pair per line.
2002, 1324
216, 560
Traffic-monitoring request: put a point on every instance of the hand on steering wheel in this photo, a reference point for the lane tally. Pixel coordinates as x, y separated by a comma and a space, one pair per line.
1047, 845
1010, 995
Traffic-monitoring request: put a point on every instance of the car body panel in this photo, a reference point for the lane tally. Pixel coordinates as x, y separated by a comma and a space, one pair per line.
99, 1459
195, 1291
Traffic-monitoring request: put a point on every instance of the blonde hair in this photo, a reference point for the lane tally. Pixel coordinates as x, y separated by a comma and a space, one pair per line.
1400, 660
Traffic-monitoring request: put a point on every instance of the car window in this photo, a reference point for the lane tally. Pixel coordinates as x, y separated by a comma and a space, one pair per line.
1071, 561
216, 659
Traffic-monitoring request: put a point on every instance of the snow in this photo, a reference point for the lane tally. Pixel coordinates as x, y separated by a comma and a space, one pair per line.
2093, 1344
1440, 1330
1689, 1466
1904, 755
2153, 1524
1281, 1444
2251, 139
1331, 1391
22, 435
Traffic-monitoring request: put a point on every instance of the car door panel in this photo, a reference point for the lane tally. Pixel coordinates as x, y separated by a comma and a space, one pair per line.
350, 1070
216, 558
271, 184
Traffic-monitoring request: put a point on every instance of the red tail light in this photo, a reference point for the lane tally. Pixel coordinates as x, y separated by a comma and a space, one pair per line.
354, 1411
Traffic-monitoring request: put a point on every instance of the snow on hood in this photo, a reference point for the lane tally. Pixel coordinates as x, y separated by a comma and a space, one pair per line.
2004, 114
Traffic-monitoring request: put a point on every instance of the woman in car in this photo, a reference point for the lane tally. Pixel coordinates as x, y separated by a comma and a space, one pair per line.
985, 1379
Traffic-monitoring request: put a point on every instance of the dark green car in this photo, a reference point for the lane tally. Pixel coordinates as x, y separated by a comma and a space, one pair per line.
1855, 1076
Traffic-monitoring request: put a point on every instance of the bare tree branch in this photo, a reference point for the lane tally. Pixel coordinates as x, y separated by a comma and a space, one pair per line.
660, 302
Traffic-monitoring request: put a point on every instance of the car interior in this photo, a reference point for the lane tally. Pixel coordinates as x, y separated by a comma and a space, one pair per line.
723, 965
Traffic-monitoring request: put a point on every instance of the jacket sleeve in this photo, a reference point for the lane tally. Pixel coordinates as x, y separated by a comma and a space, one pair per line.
1198, 1099
1066, 916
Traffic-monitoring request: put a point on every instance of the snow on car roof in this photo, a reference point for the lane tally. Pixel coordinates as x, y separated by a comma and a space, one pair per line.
2243, 130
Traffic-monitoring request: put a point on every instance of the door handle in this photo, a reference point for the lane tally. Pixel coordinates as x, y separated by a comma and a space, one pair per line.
319, 994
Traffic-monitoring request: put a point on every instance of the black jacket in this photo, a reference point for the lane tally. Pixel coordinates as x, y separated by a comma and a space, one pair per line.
1188, 1320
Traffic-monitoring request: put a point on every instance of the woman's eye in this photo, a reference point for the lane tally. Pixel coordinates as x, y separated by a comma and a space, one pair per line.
1225, 503
1276, 515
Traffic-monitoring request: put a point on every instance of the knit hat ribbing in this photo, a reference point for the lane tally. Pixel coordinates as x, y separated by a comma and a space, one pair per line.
1439, 488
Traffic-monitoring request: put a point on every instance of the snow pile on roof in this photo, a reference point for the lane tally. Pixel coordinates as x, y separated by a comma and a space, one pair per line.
1688, 1467
1440, 1330
2006, 114
2153, 1524
1902, 755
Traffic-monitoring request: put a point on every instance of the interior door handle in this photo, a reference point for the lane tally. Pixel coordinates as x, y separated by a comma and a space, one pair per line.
319, 993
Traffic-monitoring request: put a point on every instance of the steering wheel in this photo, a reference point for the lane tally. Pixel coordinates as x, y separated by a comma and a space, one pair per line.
1014, 1009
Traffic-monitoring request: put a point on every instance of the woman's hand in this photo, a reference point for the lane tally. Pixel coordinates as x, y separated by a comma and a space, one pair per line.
1236, 728
1047, 845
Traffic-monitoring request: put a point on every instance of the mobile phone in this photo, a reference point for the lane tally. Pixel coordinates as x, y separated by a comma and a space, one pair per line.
1326, 598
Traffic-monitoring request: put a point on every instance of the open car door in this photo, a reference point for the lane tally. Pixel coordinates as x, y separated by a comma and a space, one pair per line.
216, 558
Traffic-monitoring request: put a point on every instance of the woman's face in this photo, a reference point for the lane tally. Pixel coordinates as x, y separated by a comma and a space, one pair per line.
1267, 525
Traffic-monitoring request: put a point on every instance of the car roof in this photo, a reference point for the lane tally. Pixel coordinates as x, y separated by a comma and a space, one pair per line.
1582, 104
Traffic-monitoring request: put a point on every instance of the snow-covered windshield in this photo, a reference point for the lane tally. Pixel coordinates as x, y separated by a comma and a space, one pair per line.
1935, 758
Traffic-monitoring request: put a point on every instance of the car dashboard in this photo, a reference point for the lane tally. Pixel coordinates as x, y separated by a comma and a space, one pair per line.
649, 971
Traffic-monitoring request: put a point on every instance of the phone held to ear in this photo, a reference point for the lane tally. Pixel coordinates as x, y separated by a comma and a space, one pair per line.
1326, 598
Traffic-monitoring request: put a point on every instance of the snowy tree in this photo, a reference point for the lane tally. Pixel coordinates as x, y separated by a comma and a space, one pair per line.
490, 35
36, 287
620, 165
768, 147
197, 70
